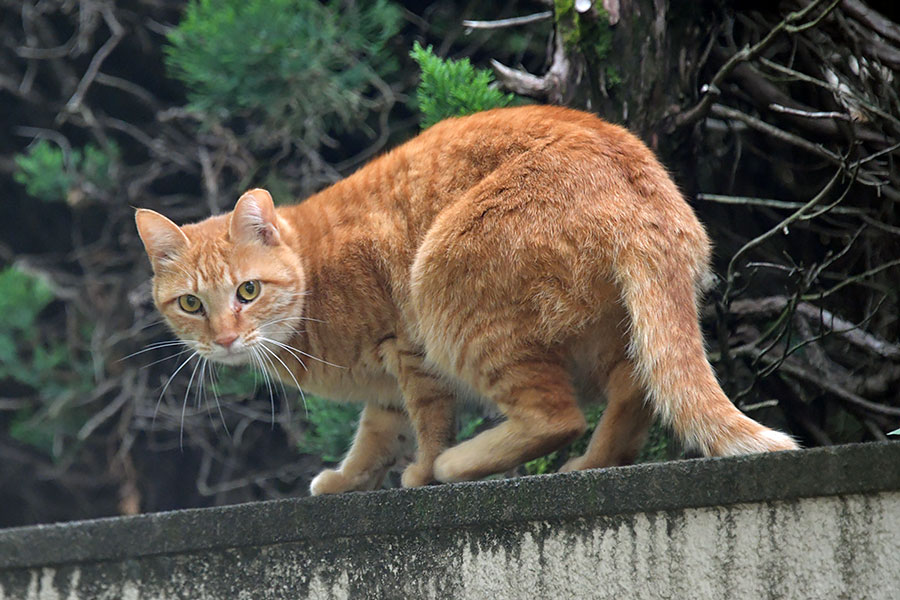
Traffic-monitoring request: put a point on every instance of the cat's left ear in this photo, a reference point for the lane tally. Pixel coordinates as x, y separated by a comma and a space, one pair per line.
254, 219
163, 239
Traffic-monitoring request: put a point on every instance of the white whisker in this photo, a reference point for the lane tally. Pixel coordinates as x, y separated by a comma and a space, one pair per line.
212, 380
289, 372
184, 404
154, 346
200, 390
273, 372
289, 349
306, 354
257, 356
166, 386
171, 356
274, 369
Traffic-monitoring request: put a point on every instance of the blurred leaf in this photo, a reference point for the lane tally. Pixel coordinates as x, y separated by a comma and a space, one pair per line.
51, 175
331, 428
43, 363
468, 430
43, 172
23, 298
233, 381
302, 65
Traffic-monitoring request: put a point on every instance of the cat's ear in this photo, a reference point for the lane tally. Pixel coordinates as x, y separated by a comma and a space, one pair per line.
254, 219
162, 238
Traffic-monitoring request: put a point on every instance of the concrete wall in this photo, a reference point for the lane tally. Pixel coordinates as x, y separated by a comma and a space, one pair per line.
819, 524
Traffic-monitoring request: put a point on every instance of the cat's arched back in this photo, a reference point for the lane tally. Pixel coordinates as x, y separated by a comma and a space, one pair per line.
531, 256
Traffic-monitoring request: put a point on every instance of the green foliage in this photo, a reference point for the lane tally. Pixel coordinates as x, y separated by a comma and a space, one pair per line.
50, 174
45, 365
469, 428
303, 65
592, 35
331, 428
235, 381
613, 78
23, 298
543, 464
43, 172
451, 88
660, 445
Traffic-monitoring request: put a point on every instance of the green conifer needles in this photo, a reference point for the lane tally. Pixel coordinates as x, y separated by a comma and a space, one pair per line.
451, 88
296, 66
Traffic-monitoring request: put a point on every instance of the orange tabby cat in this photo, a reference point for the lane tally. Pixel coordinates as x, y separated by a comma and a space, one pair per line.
528, 256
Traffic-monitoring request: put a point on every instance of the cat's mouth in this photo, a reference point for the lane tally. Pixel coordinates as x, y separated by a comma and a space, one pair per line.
230, 358
234, 356
247, 350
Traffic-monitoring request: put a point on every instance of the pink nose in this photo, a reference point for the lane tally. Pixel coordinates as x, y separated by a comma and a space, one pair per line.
226, 339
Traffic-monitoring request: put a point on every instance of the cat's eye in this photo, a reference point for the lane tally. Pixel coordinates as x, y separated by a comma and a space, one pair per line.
248, 290
190, 303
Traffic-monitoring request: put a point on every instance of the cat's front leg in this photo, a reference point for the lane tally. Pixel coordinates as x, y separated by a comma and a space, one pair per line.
431, 406
382, 436
433, 420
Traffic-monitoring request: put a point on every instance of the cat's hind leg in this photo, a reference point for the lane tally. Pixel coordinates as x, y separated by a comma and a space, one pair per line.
382, 436
541, 412
622, 429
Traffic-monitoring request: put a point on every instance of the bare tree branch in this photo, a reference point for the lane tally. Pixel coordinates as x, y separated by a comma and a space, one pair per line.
511, 22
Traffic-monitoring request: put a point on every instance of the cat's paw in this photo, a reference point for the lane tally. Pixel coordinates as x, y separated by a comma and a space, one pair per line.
417, 474
451, 466
330, 481
573, 464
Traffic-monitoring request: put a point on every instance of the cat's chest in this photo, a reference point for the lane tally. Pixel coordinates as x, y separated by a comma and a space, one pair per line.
354, 373
352, 384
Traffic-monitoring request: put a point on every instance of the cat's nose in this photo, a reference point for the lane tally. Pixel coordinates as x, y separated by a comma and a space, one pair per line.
226, 339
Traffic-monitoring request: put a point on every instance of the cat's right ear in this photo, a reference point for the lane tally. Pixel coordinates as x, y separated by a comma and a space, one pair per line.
254, 220
162, 238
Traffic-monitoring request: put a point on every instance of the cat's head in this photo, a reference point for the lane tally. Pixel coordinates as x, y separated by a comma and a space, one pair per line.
228, 284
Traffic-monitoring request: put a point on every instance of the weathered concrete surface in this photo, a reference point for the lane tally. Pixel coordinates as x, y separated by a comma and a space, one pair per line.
822, 523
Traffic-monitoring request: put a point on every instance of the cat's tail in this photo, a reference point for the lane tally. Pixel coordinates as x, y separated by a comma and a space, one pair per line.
660, 291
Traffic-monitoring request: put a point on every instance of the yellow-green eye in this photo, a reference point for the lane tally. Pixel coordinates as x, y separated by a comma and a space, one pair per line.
248, 290
189, 303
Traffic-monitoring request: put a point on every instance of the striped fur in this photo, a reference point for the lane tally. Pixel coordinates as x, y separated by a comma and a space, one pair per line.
527, 256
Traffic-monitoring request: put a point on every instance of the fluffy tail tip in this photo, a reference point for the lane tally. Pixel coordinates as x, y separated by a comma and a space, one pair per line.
763, 440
